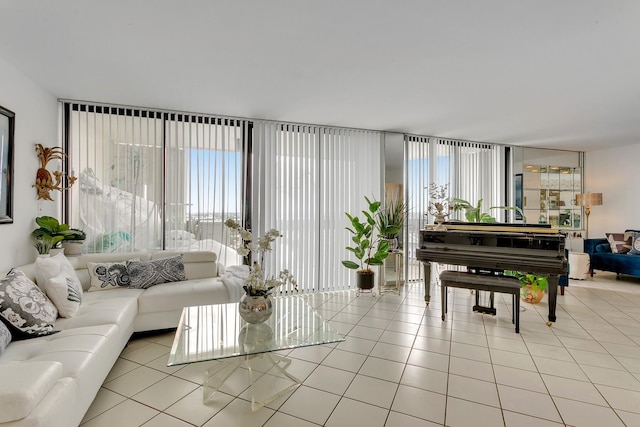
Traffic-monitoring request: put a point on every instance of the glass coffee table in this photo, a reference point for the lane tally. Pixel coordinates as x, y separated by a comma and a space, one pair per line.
217, 332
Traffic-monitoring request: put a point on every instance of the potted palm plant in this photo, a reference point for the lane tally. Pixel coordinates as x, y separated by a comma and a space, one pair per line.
390, 220
369, 247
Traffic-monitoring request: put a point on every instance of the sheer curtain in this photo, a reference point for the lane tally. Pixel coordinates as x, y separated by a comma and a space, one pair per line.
304, 179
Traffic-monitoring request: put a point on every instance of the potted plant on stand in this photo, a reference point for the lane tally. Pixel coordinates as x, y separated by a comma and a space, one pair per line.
368, 246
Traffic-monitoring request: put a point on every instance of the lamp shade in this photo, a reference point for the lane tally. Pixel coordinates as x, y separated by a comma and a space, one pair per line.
589, 199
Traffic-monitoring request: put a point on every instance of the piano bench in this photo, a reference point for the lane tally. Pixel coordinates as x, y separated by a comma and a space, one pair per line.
482, 282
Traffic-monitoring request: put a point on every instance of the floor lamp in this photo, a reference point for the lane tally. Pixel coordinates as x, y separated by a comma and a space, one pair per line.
587, 200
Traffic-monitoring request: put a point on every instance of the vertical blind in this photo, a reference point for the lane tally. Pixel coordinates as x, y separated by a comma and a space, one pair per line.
153, 180
304, 179
472, 171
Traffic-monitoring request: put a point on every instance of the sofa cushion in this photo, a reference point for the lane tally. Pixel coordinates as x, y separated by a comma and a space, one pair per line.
86, 353
48, 267
108, 275
5, 337
145, 274
168, 297
23, 386
119, 307
603, 248
24, 308
620, 242
65, 293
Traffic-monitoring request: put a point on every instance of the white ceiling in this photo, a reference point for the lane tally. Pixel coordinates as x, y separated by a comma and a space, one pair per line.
544, 73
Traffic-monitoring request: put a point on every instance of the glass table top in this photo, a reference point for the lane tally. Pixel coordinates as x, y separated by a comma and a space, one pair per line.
212, 332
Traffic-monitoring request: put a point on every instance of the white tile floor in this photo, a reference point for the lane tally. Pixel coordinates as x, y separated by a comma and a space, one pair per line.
402, 366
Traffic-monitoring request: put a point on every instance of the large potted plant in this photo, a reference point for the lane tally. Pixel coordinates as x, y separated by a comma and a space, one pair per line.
369, 247
51, 233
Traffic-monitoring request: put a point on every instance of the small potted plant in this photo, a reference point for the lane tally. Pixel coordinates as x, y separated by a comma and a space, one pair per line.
533, 286
368, 247
475, 214
51, 233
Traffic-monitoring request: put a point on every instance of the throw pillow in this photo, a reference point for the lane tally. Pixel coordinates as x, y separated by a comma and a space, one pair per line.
50, 267
620, 242
635, 244
5, 337
65, 293
109, 275
145, 274
24, 308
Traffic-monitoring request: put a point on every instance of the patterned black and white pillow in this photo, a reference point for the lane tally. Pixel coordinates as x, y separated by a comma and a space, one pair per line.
109, 275
145, 274
5, 337
24, 308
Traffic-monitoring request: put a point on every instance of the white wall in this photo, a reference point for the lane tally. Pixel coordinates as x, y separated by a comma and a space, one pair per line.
611, 171
36, 122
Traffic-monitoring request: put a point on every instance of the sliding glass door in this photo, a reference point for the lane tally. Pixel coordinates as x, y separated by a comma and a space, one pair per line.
151, 180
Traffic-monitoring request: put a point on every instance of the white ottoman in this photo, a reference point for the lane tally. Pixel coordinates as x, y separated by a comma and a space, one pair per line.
578, 265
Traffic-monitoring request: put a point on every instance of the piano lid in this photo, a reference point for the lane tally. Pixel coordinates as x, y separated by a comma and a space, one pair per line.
499, 227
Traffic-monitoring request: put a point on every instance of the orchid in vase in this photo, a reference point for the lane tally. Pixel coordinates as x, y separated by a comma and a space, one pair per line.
257, 283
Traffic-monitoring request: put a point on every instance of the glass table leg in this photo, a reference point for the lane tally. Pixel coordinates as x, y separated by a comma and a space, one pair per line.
217, 375
280, 363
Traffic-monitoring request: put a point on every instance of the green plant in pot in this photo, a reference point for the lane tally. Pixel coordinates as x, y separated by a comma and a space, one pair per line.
368, 246
390, 220
533, 286
51, 233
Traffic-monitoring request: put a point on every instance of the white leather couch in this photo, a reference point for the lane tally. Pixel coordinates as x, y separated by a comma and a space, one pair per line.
52, 380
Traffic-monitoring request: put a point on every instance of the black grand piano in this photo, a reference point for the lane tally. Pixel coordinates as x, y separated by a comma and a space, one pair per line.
496, 247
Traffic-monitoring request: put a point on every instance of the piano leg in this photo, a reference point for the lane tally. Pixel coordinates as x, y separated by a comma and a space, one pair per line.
553, 296
427, 282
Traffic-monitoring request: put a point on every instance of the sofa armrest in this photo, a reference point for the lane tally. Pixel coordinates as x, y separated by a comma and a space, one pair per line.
590, 244
23, 386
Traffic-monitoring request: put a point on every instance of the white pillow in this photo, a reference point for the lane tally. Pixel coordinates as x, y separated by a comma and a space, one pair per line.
50, 267
109, 275
65, 293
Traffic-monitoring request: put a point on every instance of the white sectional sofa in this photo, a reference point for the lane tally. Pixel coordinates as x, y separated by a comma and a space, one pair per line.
52, 380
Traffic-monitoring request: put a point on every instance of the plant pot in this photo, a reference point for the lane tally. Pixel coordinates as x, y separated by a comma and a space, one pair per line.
393, 243
255, 309
365, 279
55, 251
528, 295
73, 247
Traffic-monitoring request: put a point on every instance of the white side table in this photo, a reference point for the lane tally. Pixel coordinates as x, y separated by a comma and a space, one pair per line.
578, 265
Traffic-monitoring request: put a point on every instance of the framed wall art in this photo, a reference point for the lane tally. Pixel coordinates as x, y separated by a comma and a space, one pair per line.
7, 127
